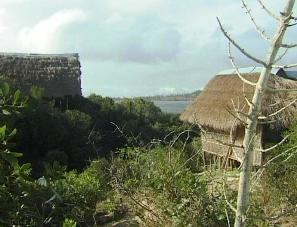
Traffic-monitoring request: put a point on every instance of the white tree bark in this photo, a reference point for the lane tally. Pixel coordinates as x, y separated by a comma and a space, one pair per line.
254, 112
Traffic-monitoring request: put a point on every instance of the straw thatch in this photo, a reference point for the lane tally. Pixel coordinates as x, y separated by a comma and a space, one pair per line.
214, 106
214, 110
59, 75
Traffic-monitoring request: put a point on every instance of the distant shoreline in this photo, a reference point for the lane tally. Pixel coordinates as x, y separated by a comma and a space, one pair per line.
174, 97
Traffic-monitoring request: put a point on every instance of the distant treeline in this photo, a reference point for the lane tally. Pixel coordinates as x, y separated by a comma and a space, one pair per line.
173, 97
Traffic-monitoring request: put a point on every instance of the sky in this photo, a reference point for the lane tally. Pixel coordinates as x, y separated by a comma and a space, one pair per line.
133, 48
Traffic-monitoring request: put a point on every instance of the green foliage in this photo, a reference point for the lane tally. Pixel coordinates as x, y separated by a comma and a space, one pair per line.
64, 134
284, 168
55, 198
69, 223
80, 192
12, 174
164, 178
74, 130
275, 199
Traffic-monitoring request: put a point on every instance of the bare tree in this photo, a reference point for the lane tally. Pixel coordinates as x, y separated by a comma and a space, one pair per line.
261, 86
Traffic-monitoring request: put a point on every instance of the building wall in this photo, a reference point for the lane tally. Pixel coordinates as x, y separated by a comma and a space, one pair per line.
59, 75
211, 143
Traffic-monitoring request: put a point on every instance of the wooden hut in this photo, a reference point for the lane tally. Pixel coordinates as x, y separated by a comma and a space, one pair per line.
59, 74
214, 111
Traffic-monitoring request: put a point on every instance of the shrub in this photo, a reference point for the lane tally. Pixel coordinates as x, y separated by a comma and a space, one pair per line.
162, 179
274, 200
80, 192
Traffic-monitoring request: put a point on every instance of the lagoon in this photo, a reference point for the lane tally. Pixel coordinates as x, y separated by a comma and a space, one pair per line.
176, 107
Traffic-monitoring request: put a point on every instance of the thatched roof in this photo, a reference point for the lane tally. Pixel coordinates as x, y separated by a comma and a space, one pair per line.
58, 74
212, 107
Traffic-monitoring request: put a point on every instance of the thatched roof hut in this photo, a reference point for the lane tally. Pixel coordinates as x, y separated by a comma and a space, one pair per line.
58, 74
214, 110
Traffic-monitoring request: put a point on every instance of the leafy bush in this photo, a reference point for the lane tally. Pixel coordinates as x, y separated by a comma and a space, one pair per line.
163, 181
274, 200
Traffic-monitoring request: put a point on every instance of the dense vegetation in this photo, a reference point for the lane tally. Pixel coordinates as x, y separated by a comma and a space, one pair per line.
87, 161
75, 130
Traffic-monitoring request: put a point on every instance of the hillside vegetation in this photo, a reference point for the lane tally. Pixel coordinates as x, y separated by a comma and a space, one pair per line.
92, 161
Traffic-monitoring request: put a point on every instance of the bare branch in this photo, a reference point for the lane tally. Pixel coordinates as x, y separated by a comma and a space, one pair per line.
236, 68
268, 11
288, 45
227, 216
290, 156
236, 117
275, 146
290, 25
248, 101
257, 28
256, 178
227, 201
285, 66
282, 55
280, 90
279, 155
238, 46
250, 104
266, 122
276, 103
243, 113
278, 111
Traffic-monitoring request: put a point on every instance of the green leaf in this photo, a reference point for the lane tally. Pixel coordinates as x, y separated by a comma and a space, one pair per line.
25, 169
10, 158
26, 166
6, 112
13, 133
16, 97
36, 92
15, 154
5, 88
2, 132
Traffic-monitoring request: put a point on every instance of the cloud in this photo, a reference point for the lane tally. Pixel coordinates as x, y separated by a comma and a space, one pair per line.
129, 7
133, 47
3, 26
147, 40
44, 36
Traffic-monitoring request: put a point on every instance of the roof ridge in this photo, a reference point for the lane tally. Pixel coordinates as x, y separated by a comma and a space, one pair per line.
76, 55
247, 70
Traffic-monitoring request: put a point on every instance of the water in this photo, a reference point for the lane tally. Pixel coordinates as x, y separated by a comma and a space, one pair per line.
172, 106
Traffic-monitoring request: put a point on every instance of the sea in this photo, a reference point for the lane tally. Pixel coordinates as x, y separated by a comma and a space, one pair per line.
176, 107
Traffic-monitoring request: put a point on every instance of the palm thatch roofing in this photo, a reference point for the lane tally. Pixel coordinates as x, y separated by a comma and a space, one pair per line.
58, 74
214, 107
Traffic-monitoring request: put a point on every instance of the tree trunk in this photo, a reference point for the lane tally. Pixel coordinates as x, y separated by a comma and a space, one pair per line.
252, 119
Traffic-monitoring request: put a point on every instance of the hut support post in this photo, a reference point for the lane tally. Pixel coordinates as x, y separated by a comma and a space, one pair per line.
252, 119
